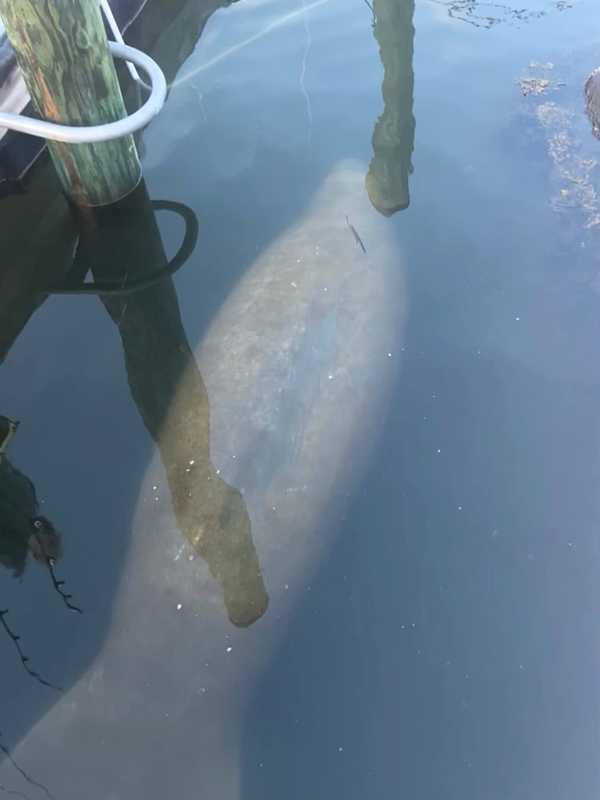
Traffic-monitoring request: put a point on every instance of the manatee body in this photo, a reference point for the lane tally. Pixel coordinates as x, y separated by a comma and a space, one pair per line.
298, 366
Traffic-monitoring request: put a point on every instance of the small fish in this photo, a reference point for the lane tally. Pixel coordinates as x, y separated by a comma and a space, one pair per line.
357, 238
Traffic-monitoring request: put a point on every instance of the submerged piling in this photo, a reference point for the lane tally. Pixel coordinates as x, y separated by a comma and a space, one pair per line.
61, 48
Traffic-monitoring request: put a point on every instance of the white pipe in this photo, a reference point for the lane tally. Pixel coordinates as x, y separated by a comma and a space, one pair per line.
84, 134
112, 24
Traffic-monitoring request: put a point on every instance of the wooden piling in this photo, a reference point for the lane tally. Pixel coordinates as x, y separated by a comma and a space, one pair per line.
61, 48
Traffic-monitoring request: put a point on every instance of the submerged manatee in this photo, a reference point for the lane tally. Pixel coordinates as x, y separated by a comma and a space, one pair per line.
298, 368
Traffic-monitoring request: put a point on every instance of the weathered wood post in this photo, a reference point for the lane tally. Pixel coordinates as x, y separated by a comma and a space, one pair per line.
394, 133
61, 48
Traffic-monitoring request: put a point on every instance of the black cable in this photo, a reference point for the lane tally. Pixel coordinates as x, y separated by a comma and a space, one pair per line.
116, 288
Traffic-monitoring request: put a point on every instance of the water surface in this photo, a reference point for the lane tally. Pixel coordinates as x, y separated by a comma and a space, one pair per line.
328, 493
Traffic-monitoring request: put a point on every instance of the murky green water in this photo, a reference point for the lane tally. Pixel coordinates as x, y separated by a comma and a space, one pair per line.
329, 493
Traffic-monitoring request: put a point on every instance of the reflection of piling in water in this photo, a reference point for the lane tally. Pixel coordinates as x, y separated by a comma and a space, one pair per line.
123, 243
394, 133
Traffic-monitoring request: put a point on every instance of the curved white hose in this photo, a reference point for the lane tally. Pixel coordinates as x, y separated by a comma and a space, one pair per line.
112, 24
84, 134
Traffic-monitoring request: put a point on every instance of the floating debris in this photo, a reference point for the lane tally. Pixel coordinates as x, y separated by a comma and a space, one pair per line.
483, 14
534, 86
538, 84
568, 144
574, 170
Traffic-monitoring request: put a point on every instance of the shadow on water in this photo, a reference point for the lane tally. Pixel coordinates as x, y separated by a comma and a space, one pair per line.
168, 390
25, 531
119, 247
39, 229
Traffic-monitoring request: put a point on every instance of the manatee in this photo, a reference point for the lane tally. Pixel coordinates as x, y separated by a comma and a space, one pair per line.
297, 370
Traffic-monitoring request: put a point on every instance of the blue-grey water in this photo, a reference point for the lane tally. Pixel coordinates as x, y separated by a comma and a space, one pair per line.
329, 495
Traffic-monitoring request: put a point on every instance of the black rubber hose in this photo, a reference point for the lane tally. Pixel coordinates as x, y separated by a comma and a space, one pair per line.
116, 288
